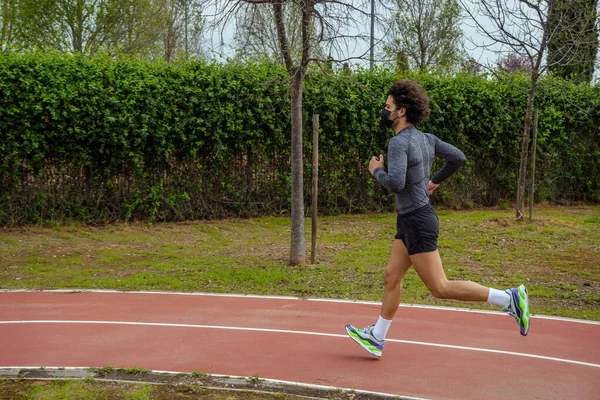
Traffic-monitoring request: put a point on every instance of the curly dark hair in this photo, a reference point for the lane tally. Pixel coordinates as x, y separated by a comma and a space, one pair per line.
410, 95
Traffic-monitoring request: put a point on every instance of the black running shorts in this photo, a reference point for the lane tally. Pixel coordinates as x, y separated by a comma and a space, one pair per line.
418, 230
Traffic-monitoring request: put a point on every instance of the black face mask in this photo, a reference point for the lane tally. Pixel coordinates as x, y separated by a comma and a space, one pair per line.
386, 122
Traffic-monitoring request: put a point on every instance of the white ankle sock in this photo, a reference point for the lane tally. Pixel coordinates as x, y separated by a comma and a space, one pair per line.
499, 298
381, 328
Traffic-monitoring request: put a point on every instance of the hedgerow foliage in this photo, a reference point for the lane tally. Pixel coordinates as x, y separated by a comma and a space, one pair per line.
101, 140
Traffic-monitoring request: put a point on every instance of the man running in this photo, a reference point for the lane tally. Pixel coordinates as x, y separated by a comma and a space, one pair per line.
410, 157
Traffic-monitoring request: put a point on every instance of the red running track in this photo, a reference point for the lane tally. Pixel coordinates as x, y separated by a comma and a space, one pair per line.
430, 353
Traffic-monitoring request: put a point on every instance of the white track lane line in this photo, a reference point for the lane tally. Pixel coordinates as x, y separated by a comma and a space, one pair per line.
257, 296
237, 328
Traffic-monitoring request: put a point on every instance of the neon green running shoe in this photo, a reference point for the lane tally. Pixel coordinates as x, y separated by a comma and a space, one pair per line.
366, 340
519, 307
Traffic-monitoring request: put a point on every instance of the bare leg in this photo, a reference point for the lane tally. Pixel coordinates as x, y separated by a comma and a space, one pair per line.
395, 270
430, 270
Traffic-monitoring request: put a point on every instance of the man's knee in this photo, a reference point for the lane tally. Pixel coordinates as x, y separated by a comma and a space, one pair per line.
439, 290
391, 278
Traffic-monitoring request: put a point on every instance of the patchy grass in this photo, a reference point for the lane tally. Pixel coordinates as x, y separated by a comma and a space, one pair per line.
65, 389
557, 256
19, 389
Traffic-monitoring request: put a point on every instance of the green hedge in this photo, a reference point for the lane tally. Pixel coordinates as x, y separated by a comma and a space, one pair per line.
101, 140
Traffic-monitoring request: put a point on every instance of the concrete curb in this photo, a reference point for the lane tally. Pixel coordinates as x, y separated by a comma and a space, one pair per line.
185, 379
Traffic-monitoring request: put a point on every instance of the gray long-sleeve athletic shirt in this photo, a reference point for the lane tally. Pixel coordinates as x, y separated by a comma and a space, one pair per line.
410, 156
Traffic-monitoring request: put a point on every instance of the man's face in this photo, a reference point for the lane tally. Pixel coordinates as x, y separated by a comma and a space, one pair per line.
390, 105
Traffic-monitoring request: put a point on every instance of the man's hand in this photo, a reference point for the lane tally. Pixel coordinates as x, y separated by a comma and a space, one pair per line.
376, 162
432, 187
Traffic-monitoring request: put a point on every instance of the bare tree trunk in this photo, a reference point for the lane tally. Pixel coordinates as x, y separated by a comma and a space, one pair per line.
5, 21
297, 256
186, 26
8, 9
75, 22
525, 149
298, 245
372, 49
315, 188
533, 148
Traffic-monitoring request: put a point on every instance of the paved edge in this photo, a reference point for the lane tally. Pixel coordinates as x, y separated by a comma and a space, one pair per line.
187, 379
256, 296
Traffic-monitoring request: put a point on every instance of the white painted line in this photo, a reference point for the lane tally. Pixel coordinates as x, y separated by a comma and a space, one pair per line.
291, 298
250, 296
237, 328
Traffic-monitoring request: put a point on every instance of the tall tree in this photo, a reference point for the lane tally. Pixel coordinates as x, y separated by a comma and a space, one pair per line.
139, 28
77, 26
147, 28
8, 21
333, 23
182, 28
256, 33
575, 24
521, 28
428, 32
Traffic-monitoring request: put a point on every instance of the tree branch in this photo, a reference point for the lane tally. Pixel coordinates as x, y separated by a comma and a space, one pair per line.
283, 40
307, 7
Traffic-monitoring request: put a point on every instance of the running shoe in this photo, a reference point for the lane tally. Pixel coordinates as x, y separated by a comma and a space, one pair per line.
366, 340
519, 307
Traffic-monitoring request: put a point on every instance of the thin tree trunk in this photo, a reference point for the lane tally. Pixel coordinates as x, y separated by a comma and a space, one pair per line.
186, 27
533, 148
298, 245
315, 188
249, 167
7, 21
298, 256
76, 24
525, 150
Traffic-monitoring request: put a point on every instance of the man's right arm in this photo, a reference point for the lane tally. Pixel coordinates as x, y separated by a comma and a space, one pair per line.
395, 179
